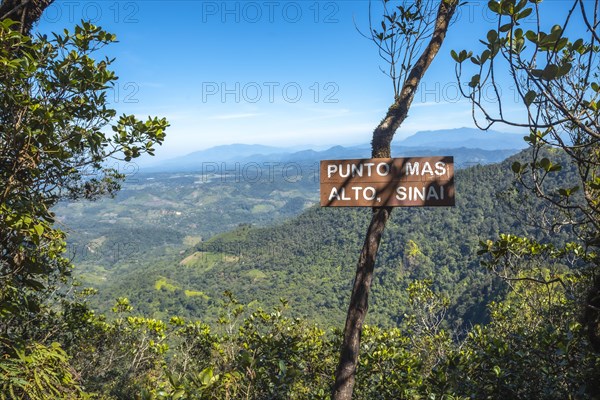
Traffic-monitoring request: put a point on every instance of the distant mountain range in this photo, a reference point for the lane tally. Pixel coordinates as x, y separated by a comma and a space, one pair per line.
468, 146
465, 137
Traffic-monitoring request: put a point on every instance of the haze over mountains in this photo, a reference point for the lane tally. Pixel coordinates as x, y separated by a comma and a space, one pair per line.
469, 146
465, 137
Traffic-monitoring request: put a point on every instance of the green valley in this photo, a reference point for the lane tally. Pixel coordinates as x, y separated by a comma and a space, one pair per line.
309, 259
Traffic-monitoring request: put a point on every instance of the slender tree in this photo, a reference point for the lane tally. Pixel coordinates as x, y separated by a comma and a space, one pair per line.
556, 74
405, 29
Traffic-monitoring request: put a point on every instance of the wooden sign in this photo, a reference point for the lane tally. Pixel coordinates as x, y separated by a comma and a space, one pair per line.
388, 182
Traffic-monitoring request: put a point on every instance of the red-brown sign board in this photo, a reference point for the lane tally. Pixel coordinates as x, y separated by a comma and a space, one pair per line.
388, 182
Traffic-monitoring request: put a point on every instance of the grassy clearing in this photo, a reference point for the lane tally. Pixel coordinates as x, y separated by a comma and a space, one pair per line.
191, 240
262, 208
255, 274
163, 283
196, 293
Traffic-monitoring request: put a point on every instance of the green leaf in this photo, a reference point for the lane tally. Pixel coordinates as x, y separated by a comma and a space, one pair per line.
516, 167
555, 168
282, 367
461, 56
206, 376
537, 73
562, 42
172, 379
39, 229
568, 192
564, 69
35, 285
545, 164
524, 14
454, 55
518, 34
474, 81
485, 56
550, 72
497, 370
532, 36
529, 97
494, 6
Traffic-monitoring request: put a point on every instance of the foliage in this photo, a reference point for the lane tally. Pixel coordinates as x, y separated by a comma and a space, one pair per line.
53, 146
255, 355
399, 38
532, 348
38, 372
555, 72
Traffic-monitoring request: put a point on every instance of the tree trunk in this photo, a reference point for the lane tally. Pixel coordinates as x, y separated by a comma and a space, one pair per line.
381, 148
26, 12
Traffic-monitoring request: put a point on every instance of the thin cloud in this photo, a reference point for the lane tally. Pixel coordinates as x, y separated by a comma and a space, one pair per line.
233, 116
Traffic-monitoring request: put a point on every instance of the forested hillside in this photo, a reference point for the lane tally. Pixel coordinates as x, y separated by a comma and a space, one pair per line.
309, 260
156, 215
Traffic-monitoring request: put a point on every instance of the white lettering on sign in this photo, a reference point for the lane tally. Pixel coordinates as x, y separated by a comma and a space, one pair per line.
387, 182
385, 171
331, 168
425, 168
360, 170
360, 193
414, 193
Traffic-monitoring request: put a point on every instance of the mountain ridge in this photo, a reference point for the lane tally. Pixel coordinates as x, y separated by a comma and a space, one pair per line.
465, 137
469, 145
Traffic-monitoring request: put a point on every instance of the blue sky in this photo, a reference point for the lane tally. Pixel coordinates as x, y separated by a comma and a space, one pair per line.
285, 73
